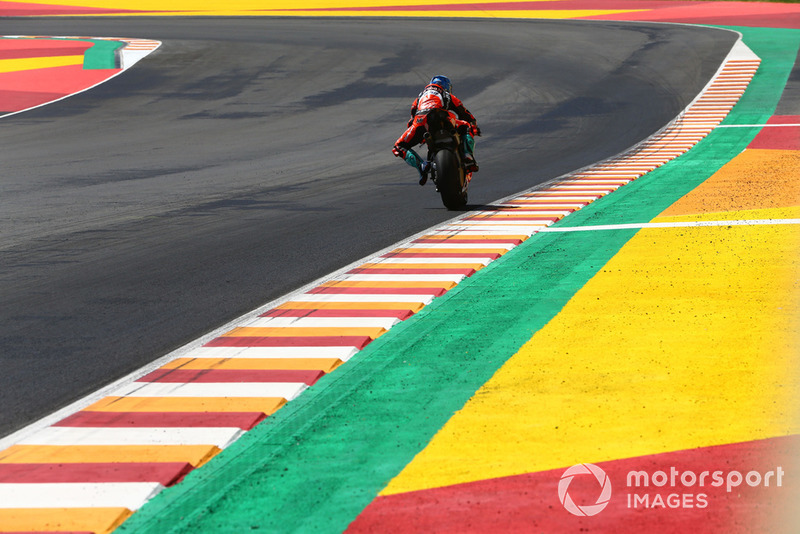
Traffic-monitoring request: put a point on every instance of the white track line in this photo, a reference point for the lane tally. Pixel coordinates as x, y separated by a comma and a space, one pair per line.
454, 261
286, 390
347, 297
341, 353
395, 278
325, 322
756, 125
691, 224
130, 495
65, 436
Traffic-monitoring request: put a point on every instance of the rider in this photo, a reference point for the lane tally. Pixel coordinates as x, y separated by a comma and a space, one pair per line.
437, 95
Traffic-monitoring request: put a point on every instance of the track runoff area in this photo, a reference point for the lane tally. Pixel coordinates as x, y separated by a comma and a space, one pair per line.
630, 362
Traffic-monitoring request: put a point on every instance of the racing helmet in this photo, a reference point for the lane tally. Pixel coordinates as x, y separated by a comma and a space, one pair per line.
442, 81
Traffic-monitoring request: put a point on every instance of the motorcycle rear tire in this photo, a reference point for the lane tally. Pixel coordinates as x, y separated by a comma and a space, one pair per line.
451, 180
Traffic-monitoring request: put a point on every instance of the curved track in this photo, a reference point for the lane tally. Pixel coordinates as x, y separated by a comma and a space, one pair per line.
247, 157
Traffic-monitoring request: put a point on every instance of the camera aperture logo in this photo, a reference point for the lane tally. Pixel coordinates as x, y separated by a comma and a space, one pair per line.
584, 470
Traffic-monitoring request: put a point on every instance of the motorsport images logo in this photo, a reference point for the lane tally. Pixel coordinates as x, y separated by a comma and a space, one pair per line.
686, 489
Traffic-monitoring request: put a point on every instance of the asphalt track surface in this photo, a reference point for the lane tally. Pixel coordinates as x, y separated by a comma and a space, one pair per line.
248, 157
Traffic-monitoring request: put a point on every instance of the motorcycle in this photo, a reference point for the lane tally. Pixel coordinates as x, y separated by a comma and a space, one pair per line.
446, 161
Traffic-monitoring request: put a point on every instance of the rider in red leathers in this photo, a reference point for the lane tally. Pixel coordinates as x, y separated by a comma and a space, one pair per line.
436, 95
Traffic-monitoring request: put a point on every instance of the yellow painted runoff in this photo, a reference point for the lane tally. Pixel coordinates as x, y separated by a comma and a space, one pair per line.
684, 339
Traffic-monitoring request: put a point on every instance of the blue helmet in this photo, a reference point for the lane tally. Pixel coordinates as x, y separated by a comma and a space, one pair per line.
442, 81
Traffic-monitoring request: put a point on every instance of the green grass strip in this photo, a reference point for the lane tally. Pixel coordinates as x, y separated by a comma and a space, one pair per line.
102, 55
316, 463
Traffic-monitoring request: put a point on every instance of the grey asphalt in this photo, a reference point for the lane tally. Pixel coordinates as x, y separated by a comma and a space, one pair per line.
248, 157
789, 103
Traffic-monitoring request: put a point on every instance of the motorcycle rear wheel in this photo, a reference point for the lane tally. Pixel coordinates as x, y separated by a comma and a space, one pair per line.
451, 180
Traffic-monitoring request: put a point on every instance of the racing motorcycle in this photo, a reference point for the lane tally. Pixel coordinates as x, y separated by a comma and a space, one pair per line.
446, 161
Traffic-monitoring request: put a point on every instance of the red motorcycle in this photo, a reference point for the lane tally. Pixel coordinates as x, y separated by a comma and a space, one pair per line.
446, 160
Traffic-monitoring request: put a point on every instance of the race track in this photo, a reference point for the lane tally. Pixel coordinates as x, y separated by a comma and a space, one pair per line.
247, 157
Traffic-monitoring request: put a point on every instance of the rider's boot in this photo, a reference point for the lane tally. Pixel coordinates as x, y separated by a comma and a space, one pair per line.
422, 166
424, 169
469, 154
